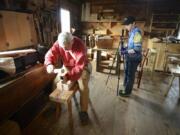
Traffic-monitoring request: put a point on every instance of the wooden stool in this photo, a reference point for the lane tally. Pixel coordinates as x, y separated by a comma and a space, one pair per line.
64, 98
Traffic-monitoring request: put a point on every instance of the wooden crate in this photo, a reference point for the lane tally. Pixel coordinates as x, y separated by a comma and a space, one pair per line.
104, 43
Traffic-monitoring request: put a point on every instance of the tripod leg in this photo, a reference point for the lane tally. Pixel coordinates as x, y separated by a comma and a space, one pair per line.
118, 73
117, 69
112, 66
117, 64
98, 61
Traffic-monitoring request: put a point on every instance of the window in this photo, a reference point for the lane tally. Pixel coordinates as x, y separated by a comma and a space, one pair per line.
178, 37
65, 20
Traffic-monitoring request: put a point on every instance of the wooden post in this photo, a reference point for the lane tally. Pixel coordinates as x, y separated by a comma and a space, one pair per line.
98, 60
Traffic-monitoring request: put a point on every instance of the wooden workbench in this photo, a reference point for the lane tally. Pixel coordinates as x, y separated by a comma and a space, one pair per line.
99, 59
175, 71
162, 49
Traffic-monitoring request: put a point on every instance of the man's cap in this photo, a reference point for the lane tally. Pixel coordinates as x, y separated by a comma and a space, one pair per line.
128, 20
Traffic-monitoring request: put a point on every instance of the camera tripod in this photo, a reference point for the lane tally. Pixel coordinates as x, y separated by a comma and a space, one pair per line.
118, 57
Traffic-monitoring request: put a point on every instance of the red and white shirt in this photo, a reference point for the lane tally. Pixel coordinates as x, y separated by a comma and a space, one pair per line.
75, 59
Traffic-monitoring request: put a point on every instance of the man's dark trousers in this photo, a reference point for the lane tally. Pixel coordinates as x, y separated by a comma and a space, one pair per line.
130, 70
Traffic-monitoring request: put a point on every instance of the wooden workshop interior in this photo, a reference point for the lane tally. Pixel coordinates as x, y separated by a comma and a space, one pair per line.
30, 100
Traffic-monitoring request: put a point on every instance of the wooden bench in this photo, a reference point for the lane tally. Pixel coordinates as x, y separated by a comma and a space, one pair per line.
64, 97
175, 71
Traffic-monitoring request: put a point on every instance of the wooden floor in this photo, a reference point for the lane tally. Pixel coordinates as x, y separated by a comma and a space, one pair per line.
146, 112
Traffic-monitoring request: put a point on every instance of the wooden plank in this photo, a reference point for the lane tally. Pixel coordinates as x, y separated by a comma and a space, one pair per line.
10, 29
2, 35
32, 30
18, 30
16, 52
24, 29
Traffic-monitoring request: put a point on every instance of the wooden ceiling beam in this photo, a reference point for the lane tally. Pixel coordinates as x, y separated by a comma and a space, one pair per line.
102, 2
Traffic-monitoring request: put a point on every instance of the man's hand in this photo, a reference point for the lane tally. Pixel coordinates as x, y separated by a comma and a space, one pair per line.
123, 50
62, 71
131, 51
50, 69
59, 71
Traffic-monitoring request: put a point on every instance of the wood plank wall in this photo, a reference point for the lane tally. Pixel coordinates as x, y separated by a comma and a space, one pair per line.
17, 30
